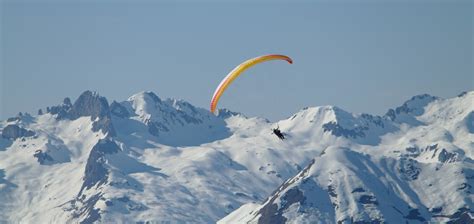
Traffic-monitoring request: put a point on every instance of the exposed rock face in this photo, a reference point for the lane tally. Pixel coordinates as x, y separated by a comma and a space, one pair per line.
446, 157
409, 168
470, 122
172, 119
414, 214
364, 128
155, 128
91, 104
11, 119
338, 130
412, 107
225, 113
118, 110
84, 209
104, 124
96, 173
62, 111
271, 212
14, 131
433, 152
42, 157
88, 104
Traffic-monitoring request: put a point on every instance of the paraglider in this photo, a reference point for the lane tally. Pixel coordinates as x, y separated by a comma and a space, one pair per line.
238, 70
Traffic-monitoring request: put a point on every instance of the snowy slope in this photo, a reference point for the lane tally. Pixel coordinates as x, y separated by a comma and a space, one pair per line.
164, 160
421, 171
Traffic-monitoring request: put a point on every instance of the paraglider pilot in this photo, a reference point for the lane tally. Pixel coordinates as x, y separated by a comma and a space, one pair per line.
278, 133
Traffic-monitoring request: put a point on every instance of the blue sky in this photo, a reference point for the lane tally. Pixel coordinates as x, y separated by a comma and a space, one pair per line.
363, 56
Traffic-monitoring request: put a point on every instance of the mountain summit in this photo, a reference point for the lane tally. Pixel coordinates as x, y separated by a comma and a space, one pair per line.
148, 159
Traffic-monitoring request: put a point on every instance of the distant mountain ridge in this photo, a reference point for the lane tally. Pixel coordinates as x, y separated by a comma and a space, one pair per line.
148, 159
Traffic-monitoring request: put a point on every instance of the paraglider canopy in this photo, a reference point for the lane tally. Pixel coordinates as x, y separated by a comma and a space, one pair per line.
238, 70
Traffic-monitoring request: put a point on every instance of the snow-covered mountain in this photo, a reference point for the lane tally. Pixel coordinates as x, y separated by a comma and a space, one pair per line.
152, 160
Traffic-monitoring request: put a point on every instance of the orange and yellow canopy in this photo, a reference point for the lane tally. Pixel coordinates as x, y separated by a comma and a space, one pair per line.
238, 70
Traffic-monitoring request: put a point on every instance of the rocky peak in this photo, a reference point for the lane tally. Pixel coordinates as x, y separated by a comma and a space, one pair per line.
90, 104
61, 111
414, 106
225, 113
144, 98
174, 121
13, 132
341, 123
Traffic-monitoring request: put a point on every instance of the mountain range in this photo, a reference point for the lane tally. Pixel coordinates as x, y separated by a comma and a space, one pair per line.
153, 160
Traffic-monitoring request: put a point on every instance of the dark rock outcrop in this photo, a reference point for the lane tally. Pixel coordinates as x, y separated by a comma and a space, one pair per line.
42, 157
337, 130
96, 173
368, 199
463, 215
414, 106
469, 121
13, 132
61, 111
118, 110
12, 119
88, 104
84, 207
447, 157
225, 113
270, 213
91, 104
409, 168
414, 214
105, 125
155, 128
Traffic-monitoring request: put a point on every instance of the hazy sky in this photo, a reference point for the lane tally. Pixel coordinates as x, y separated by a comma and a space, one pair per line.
362, 56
